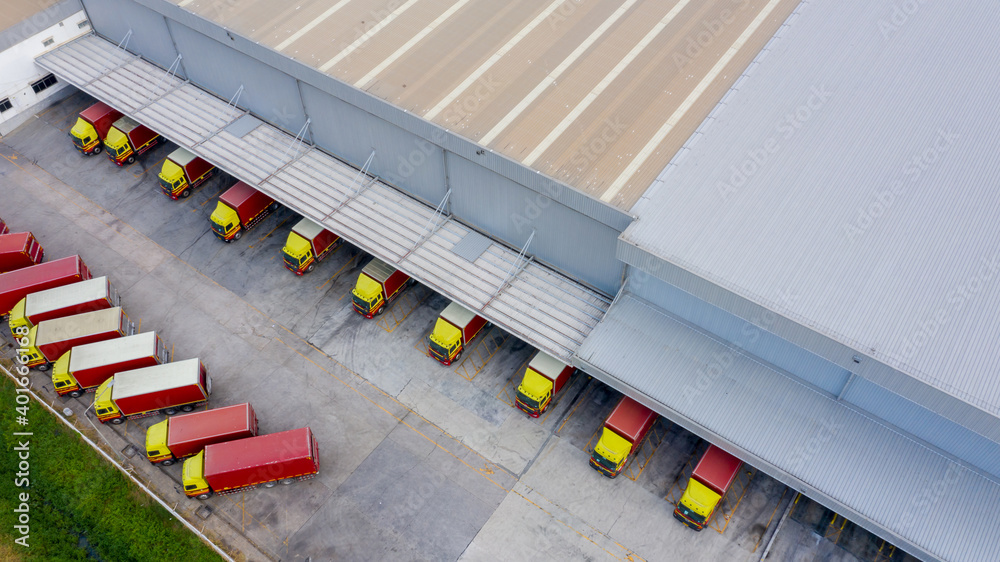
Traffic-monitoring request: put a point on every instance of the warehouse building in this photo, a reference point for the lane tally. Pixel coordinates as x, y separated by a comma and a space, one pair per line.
772, 222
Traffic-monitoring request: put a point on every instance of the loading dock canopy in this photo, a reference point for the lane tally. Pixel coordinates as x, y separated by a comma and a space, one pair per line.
527, 299
918, 499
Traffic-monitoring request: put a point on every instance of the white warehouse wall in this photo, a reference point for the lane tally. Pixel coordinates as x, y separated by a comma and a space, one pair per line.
19, 71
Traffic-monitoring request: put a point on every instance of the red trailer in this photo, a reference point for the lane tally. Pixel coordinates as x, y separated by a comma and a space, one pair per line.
84, 367
92, 126
15, 285
127, 139
307, 244
182, 171
622, 436
378, 284
240, 208
266, 459
85, 296
711, 479
454, 329
167, 388
176, 438
50, 339
19, 250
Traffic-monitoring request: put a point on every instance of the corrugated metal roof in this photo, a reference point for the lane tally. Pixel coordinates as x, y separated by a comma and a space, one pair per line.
855, 167
525, 298
597, 94
915, 497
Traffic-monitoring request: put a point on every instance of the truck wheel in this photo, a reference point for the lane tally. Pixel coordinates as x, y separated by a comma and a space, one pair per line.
204, 496
97, 150
187, 408
311, 267
287, 481
130, 160
76, 394
167, 462
380, 310
274, 206
169, 411
43, 367
118, 421
238, 235
270, 484
186, 193
457, 356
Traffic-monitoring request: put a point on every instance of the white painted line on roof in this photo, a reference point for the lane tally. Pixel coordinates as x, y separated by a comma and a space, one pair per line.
555, 74
492, 60
309, 26
643, 154
409, 44
599, 89
368, 35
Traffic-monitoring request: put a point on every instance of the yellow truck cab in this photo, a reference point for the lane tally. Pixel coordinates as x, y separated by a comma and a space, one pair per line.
193, 477
297, 252
699, 501
31, 351
614, 448
86, 135
117, 143
367, 294
156, 443
60, 374
104, 407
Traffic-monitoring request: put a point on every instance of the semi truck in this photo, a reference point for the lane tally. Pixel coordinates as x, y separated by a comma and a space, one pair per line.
127, 139
167, 388
49, 340
622, 436
182, 172
710, 480
84, 367
19, 250
92, 127
76, 298
454, 329
543, 379
239, 209
308, 244
15, 285
378, 284
177, 438
225, 468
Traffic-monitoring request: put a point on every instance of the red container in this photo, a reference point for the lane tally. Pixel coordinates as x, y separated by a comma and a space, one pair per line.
631, 420
15, 285
19, 250
266, 458
76, 298
170, 385
55, 337
717, 469
246, 201
102, 117
188, 434
92, 364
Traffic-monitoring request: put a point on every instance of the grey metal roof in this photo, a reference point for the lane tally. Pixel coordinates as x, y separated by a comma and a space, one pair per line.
855, 167
909, 494
526, 298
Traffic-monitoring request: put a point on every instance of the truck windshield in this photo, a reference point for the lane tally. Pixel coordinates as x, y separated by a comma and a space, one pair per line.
527, 400
167, 185
293, 261
219, 228
362, 304
603, 461
439, 350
